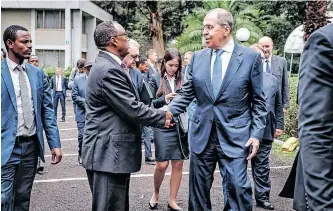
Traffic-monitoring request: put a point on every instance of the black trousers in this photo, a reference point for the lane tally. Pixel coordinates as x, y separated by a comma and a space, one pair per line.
202, 167
59, 96
18, 174
110, 191
80, 128
260, 171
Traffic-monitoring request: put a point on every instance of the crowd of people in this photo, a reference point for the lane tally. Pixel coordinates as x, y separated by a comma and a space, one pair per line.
222, 105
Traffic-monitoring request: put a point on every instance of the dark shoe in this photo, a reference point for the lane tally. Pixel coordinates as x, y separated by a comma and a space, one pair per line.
79, 158
150, 161
40, 166
265, 205
62, 120
173, 209
153, 206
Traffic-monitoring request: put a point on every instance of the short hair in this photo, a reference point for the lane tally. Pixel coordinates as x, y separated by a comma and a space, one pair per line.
132, 42
224, 17
10, 33
188, 52
80, 63
31, 55
141, 61
103, 33
87, 64
3, 53
150, 52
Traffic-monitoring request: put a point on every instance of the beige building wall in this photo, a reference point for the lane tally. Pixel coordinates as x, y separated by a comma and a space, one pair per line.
20, 17
50, 37
84, 41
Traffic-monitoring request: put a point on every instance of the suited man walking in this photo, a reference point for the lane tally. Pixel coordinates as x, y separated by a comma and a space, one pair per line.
111, 148
277, 66
78, 97
26, 108
152, 59
229, 122
59, 86
314, 176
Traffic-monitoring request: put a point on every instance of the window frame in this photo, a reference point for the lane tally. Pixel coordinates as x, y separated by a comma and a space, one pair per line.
43, 21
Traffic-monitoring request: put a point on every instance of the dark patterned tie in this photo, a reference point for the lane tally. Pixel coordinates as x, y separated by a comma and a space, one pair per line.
26, 100
268, 68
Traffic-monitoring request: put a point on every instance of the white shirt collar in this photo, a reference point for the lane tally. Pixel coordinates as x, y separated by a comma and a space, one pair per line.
229, 47
114, 57
12, 65
269, 59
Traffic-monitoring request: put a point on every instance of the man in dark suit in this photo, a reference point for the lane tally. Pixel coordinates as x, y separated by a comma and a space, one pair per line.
26, 108
229, 122
314, 177
111, 148
59, 86
277, 66
274, 128
187, 59
78, 97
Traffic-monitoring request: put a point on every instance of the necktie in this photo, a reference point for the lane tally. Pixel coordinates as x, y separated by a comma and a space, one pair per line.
268, 68
26, 100
217, 72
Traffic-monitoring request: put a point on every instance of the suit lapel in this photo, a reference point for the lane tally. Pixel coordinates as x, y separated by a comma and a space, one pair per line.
8, 82
168, 86
233, 66
32, 79
205, 61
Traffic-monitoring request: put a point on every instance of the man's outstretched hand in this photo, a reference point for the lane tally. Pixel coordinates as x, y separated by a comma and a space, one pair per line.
254, 143
168, 120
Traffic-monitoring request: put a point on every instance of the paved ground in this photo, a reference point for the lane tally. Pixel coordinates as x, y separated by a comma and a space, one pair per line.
64, 186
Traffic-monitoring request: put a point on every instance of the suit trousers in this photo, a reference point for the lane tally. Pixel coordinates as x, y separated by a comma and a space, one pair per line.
59, 96
110, 191
18, 174
80, 128
202, 167
147, 138
260, 171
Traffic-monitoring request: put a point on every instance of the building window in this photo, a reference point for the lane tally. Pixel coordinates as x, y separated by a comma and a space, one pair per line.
84, 55
51, 58
50, 19
83, 24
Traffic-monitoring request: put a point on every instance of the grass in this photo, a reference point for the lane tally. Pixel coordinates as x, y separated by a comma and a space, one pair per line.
277, 151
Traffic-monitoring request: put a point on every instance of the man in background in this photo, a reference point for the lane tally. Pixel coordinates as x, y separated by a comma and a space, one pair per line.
277, 66
78, 97
152, 59
59, 86
187, 59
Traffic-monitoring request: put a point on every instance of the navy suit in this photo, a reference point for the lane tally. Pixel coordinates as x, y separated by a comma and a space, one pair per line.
78, 97
59, 95
274, 120
221, 126
12, 153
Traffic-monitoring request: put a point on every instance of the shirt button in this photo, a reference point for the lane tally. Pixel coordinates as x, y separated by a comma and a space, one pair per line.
211, 121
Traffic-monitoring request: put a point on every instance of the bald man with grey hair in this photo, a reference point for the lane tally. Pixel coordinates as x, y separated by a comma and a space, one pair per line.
229, 122
277, 66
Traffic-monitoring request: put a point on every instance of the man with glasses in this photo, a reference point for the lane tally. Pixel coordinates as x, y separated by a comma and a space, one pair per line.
111, 148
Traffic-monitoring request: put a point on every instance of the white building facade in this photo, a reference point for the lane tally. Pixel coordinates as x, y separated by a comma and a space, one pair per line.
61, 31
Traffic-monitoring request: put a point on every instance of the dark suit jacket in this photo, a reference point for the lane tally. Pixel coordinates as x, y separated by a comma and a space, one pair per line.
112, 137
78, 97
279, 69
239, 109
316, 123
64, 85
43, 107
274, 117
136, 78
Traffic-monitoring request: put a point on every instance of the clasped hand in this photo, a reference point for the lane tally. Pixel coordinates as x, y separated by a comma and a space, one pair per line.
168, 119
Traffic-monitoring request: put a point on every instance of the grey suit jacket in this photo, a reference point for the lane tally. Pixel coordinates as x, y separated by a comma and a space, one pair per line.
239, 110
316, 123
274, 117
279, 69
112, 137
78, 97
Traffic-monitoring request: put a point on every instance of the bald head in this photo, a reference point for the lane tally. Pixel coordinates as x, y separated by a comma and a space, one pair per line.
267, 45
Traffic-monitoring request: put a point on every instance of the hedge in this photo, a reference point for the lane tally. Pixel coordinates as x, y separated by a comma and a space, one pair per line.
291, 117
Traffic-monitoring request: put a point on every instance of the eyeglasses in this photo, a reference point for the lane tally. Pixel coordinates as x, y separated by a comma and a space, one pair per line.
124, 34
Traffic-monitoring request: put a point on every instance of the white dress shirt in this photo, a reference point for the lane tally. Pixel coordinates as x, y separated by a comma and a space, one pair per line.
59, 83
225, 57
269, 63
21, 129
172, 83
114, 57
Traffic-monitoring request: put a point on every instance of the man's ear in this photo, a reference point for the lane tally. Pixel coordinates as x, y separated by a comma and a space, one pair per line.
113, 41
10, 43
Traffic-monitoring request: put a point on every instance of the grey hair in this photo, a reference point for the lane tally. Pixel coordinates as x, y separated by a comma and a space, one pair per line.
132, 42
224, 17
103, 33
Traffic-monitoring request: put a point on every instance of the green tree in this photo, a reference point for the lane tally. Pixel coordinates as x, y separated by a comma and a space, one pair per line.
315, 17
245, 15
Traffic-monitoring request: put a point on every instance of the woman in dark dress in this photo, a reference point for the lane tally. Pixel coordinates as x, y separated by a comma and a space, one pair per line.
167, 143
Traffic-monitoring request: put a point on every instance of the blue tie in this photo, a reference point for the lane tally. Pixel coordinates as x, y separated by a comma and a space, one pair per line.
268, 68
217, 72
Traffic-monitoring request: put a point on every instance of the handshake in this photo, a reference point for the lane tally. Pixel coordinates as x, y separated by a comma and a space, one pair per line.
169, 121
